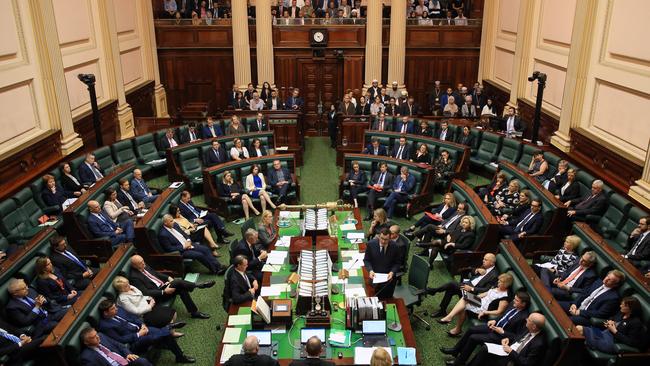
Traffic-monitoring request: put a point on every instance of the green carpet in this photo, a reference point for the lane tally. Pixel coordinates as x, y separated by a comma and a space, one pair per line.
319, 183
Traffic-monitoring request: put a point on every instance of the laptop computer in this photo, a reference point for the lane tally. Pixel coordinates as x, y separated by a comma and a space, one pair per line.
264, 339
307, 333
374, 333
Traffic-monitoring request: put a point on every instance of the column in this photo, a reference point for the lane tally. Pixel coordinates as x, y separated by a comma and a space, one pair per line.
264, 32
115, 79
522, 52
488, 28
576, 78
54, 85
641, 190
240, 45
373, 43
149, 46
397, 47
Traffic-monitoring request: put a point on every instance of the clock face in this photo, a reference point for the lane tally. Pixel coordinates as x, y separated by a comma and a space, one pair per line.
319, 36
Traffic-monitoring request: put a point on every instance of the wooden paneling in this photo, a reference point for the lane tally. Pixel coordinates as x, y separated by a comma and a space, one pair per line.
189, 36
26, 165
462, 37
141, 100
108, 119
318, 80
353, 72
500, 96
547, 123
348, 36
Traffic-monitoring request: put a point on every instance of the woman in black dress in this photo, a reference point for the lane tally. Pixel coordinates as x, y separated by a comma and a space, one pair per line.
53, 194
422, 155
51, 284
71, 185
229, 189
357, 182
256, 149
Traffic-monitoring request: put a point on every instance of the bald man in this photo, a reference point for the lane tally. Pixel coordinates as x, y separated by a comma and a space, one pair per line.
140, 190
162, 287
101, 225
313, 348
250, 357
528, 348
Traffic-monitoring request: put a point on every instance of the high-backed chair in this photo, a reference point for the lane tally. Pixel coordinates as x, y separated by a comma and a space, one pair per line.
487, 152
104, 158
191, 166
15, 225
414, 292
611, 222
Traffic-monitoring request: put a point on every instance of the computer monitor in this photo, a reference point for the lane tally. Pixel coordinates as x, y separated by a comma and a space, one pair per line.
374, 327
307, 333
263, 336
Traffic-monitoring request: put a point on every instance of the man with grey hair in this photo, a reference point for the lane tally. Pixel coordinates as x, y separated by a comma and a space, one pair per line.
468, 109
173, 239
593, 203
241, 284
101, 225
403, 186
248, 247
28, 308
140, 190
574, 280
250, 357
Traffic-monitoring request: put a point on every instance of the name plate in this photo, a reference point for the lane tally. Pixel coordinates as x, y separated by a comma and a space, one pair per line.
283, 121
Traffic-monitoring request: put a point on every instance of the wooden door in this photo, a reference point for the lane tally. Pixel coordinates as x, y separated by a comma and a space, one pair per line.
318, 79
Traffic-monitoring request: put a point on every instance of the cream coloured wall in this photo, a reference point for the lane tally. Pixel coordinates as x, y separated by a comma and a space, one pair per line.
130, 26
500, 26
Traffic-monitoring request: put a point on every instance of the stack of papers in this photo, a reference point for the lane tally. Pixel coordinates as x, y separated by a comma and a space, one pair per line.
271, 268
348, 227
316, 219
283, 241
228, 351
289, 214
231, 335
273, 290
340, 337
175, 185
355, 237
380, 278
353, 264
67, 203
157, 161
235, 320
277, 257
355, 291
406, 356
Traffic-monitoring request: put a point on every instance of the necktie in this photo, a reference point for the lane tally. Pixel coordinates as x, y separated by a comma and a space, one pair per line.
195, 212
636, 245
30, 302
177, 235
399, 185
451, 221
259, 125
130, 198
381, 179
381, 126
585, 304
376, 151
399, 152
73, 258
506, 318
98, 175
523, 342
216, 153
153, 278
523, 222
9, 336
107, 222
248, 282
382, 250
144, 187
404, 127
113, 356
573, 275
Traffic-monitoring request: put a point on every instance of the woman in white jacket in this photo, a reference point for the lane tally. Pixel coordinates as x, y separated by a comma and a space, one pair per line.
256, 187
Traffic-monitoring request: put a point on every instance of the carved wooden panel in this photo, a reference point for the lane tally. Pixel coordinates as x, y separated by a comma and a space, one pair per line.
349, 36
318, 80
418, 36
500, 96
108, 119
187, 36
141, 100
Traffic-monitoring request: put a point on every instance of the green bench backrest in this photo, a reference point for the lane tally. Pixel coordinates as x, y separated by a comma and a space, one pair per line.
145, 147
123, 152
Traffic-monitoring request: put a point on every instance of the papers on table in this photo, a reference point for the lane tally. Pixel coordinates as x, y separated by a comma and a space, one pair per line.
271, 268
289, 214
406, 356
496, 349
355, 291
156, 162
547, 265
349, 253
231, 335
273, 290
362, 355
380, 278
348, 227
282, 148
338, 281
175, 185
356, 235
277, 257
203, 213
49, 223
235, 320
261, 308
228, 351
283, 241
67, 203
340, 337
353, 264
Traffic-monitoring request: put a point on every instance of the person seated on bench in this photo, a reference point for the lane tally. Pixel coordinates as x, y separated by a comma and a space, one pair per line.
506, 199
461, 238
28, 308
280, 181
444, 211
134, 302
380, 184
192, 229
242, 285
140, 190
102, 350
574, 280
89, 171
249, 247
51, 284
564, 259
77, 271
101, 225
194, 214
403, 186
374, 148
593, 203
526, 224
441, 230
639, 243
599, 301
18, 348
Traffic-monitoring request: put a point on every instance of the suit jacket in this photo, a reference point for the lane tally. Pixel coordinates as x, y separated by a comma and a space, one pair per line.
279, 104
311, 362
69, 185
448, 137
465, 140
298, 102
398, 127
504, 123
532, 226
586, 279
363, 109
86, 175
21, 314
121, 196
53, 199
347, 111
426, 132
370, 150
360, 180
392, 110
144, 284
123, 330
448, 212
164, 142
225, 190
253, 152
168, 241
642, 251
185, 137
388, 179
139, 189
206, 132
240, 104
252, 126
532, 354
51, 290
487, 282
69, 268
100, 227
254, 264
388, 262
272, 176
373, 92
407, 187
603, 306
595, 206
239, 289
406, 152
251, 360
413, 112
571, 193
93, 358
265, 238
463, 240
210, 157
630, 331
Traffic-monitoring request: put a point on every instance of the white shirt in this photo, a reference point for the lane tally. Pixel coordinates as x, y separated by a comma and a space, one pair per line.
478, 279
177, 235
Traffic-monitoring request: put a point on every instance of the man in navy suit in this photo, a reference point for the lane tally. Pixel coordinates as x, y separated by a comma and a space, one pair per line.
444, 133
294, 102
211, 129
26, 308
215, 155
383, 256
125, 197
639, 243
375, 148
511, 323
280, 181
258, 125
528, 223
101, 350
594, 203
248, 247
404, 126
242, 285
601, 300
129, 329
321, 7
193, 214
140, 190
380, 182
17, 347
172, 238
192, 134
75, 270
401, 150
100, 225
89, 171
574, 280
402, 187
410, 108
380, 123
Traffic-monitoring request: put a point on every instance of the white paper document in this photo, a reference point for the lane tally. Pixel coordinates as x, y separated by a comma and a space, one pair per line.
290, 214
362, 355
67, 203
271, 268
496, 349
235, 320
203, 213
231, 335
355, 290
347, 227
175, 185
353, 264
228, 351
270, 291
380, 278
283, 241
157, 161
547, 265
355, 236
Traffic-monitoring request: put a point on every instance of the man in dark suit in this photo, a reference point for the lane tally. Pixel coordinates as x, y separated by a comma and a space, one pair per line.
248, 247
511, 323
194, 214
404, 126
347, 108
294, 102
258, 125
479, 280
191, 135
381, 182
374, 89
274, 103
125, 197
321, 7
162, 287
574, 280
639, 243
402, 243
314, 348
383, 256
169, 140
75, 270
242, 285
18, 348
101, 225
403, 186
128, 329
172, 238
431, 228
444, 133
401, 150
375, 148
511, 122
380, 123
140, 189
232, 95
410, 108
594, 203
101, 350
26, 308
528, 223
363, 107
528, 349
601, 300
392, 109
215, 155
89, 171
211, 129
279, 179
251, 347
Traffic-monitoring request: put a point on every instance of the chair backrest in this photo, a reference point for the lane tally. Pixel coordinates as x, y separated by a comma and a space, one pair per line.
226, 290
104, 158
419, 273
631, 223
123, 152
527, 157
13, 220
510, 150
490, 146
614, 217
145, 147
190, 162
249, 224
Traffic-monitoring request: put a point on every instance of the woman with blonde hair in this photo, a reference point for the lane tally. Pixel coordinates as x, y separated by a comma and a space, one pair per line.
266, 230
381, 357
506, 199
445, 210
192, 229
229, 189
238, 151
256, 187
462, 238
379, 221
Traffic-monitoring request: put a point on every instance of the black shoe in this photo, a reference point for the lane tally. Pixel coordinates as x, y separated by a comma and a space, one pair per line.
432, 291
206, 284
410, 235
177, 325
451, 363
200, 315
185, 359
452, 335
449, 351
221, 272
443, 322
439, 314
226, 233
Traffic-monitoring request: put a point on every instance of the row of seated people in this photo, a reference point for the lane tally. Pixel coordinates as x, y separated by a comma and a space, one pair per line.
406, 126
213, 129
266, 99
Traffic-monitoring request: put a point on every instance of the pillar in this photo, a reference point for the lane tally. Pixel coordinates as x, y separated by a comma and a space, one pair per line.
641, 190
240, 44
264, 32
54, 84
373, 43
149, 46
522, 52
397, 47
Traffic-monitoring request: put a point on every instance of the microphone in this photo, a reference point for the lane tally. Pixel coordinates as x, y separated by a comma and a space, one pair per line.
395, 326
